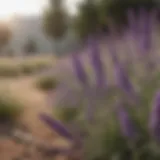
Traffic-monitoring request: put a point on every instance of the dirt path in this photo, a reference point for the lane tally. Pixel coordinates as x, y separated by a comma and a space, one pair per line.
34, 103
33, 100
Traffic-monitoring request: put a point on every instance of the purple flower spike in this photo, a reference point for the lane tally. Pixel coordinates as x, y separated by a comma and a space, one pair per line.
124, 82
96, 62
126, 124
56, 126
79, 70
154, 123
120, 74
146, 28
112, 49
147, 43
122, 79
133, 24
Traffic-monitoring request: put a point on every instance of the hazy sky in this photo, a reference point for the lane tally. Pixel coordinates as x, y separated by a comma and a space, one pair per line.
10, 7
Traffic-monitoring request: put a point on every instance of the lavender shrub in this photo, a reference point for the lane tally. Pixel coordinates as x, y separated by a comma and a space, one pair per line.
97, 128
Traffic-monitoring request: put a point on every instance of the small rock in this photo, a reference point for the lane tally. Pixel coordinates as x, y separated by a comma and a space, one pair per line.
17, 136
28, 139
24, 128
22, 137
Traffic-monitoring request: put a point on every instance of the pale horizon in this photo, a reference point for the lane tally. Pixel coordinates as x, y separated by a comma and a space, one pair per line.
10, 8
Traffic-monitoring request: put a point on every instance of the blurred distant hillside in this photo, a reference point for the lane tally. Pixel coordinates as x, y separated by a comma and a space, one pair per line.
30, 27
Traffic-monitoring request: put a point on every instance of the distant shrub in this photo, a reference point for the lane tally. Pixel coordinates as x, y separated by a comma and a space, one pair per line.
34, 66
28, 68
10, 109
9, 71
42, 65
13, 67
46, 83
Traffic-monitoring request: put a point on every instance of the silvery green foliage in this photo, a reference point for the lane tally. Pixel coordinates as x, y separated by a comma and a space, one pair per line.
113, 122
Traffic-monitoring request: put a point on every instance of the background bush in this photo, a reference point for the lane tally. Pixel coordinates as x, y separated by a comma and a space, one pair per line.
87, 21
23, 67
7, 70
10, 109
46, 83
28, 68
95, 16
118, 10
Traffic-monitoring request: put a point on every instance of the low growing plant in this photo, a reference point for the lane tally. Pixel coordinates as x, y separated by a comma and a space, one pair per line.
10, 109
46, 83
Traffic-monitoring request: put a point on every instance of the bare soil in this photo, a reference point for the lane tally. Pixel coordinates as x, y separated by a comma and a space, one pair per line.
34, 103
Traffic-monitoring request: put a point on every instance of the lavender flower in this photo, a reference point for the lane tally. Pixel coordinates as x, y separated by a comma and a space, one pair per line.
154, 123
141, 20
126, 124
147, 33
133, 24
97, 63
141, 30
76, 138
122, 78
124, 82
133, 34
79, 70
56, 126
112, 49
120, 74
148, 40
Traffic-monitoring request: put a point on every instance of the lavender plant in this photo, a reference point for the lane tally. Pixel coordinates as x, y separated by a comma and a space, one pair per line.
106, 124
